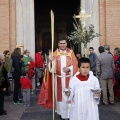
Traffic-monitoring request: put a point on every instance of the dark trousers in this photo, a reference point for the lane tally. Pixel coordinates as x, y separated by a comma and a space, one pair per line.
1, 99
7, 86
94, 73
16, 87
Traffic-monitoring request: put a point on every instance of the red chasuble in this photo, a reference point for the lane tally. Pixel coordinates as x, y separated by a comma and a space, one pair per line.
70, 60
45, 96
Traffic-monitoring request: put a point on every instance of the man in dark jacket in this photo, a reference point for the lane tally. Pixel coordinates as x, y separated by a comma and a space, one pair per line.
93, 58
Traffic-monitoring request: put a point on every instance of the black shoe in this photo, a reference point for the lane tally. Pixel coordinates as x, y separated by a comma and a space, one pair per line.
111, 103
104, 103
63, 119
3, 113
7, 94
60, 118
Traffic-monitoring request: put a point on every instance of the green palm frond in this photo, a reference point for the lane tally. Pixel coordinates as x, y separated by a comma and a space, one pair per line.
81, 34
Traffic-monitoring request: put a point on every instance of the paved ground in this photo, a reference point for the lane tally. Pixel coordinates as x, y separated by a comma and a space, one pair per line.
36, 112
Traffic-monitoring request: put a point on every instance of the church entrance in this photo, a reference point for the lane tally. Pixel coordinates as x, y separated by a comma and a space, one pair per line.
63, 23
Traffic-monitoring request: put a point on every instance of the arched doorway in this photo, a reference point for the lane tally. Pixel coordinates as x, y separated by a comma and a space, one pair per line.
63, 12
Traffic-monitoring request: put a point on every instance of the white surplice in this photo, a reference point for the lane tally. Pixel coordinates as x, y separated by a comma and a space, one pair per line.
84, 106
62, 108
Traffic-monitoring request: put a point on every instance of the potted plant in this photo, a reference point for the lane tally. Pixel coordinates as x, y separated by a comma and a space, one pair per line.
81, 34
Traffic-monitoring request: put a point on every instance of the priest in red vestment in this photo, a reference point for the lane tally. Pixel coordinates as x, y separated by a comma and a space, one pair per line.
65, 66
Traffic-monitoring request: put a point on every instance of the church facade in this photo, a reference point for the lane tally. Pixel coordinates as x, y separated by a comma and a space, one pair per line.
18, 24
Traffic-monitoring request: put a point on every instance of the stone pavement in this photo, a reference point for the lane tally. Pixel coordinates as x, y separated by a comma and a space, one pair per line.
36, 112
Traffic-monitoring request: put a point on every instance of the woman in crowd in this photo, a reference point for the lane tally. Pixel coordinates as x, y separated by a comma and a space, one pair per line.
16, 74
7, 66
116, 81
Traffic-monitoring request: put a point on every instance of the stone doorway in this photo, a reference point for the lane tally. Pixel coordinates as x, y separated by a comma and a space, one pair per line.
63, 12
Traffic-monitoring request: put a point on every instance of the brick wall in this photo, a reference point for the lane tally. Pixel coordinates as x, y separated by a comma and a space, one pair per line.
110, 22
7, 25
12, 25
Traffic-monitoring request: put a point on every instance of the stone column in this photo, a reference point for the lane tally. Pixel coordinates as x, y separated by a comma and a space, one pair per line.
19, 23
92, 7
25, 31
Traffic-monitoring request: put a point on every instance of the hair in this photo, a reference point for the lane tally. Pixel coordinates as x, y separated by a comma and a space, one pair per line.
107, 47
21, 56
91, 48
118, 51
16, 52
6, 52
83, 60
38, 50
24, 73
116, 48
25, 51
78, 53
101, 49
61, 39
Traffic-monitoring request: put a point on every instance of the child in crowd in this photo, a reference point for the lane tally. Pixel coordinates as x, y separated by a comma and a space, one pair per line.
84, 92
26, 86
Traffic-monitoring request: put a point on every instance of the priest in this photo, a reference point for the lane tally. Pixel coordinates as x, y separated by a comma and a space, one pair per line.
65, 66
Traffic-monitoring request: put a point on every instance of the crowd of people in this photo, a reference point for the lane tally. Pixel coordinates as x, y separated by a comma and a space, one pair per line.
16, 72
79, 82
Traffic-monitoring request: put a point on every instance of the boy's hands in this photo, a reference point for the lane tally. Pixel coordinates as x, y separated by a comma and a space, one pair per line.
97, 95
67, 93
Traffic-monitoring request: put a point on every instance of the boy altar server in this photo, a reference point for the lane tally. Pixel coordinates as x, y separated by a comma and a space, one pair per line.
84, 93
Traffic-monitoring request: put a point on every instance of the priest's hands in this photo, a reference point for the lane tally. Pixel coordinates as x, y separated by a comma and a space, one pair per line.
51, 58
66, 69
4, 89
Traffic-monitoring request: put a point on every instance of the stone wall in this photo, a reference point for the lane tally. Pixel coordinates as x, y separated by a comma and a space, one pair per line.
109, 23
